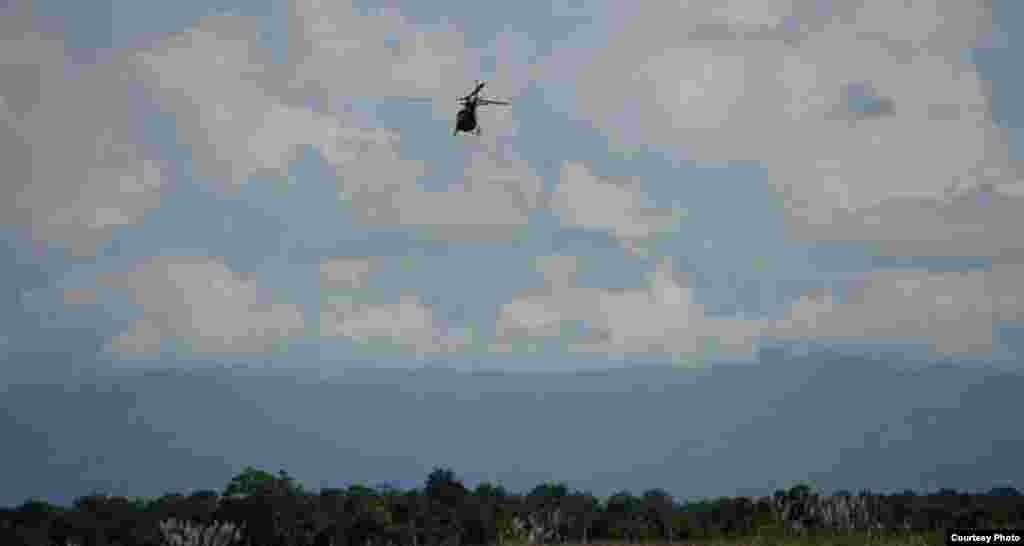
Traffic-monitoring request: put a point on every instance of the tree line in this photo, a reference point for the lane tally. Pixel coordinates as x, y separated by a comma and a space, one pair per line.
258, 508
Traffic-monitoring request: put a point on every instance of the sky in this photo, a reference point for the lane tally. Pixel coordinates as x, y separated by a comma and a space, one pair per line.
274, 184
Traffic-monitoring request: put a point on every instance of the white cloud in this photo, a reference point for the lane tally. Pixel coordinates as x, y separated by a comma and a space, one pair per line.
72, 170
331, 42
142, 337
538, 315
756, 13
767, 81
233, 106
343, 53
407, 324
80, 296
981, 222
204, 303
492, 200
239, 112
953, 312
347, 272
559, 271
661, 318
582, 199
494, 169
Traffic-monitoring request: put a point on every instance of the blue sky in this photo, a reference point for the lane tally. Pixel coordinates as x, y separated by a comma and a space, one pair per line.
275, 183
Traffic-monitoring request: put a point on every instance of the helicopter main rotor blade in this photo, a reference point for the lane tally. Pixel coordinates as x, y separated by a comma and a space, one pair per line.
476, 91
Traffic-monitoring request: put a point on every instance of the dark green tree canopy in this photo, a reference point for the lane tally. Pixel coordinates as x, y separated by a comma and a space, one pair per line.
444, 487
253, 481
273, 510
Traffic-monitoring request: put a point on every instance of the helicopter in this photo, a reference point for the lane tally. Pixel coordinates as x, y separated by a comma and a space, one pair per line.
465, 119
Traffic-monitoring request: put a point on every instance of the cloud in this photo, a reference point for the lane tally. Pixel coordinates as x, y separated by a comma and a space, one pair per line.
142, 337
660, 318
492, 201
80, 296
352, 309
72, 170
559, 271
243, 115
954, 312
330, 42
407, 325
978, 222
234, 108
584, 200
347, 272
202, 302
494, 168
772, 81
340, 53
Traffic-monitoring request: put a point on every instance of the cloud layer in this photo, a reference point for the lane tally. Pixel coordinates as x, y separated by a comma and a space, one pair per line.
870, 120
773, 81
204, 304
72, 170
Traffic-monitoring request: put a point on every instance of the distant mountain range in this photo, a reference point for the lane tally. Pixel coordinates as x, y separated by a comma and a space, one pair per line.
842, 422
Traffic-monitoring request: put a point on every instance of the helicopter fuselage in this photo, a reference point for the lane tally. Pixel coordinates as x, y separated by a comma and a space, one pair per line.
465, 120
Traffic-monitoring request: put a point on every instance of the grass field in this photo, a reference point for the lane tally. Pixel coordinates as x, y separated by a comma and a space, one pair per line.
858, 538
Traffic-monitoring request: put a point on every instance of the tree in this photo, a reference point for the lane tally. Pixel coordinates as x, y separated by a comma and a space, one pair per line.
445, 494
549, 491
39, 507
202, 505
622, 514
683, 524
409, 509
657, 506
487, 501
505, 522
487, 489
31, 523
371, 517
250, 482
444, 487
287, 484
546, 503
255, 513
103, 519
272, 508
765, 519
582, 507
331, 506
800, 491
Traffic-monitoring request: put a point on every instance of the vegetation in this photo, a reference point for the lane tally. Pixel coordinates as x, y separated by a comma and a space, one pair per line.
260, 508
